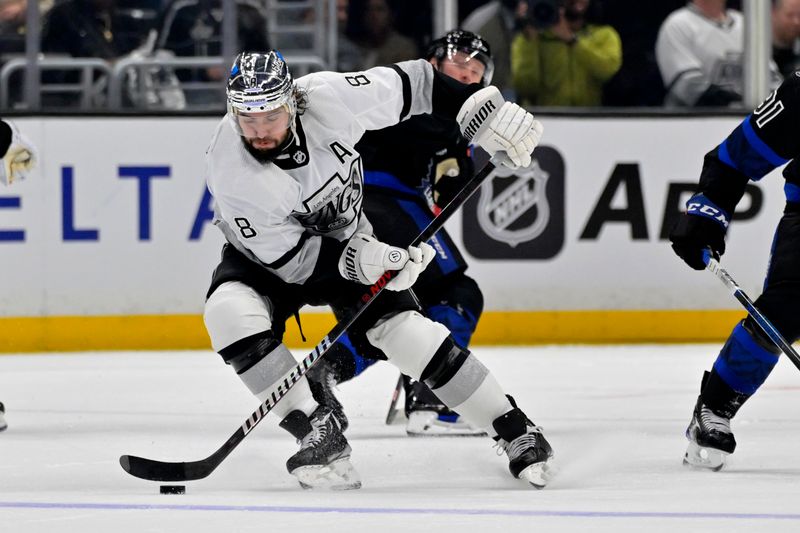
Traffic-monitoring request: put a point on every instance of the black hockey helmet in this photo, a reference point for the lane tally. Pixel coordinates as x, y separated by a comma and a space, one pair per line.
471, 44
260, 82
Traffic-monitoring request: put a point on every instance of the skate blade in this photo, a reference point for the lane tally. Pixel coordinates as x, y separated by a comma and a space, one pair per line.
704, 458
538, 474
427, 424
339, 475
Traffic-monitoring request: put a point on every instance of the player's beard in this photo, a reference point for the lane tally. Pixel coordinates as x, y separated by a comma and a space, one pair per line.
269, 154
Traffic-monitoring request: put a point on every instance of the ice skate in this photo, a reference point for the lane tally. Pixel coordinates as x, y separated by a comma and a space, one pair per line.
710, 439
323, 461
322, 378
3, 424
528, 451
429, 417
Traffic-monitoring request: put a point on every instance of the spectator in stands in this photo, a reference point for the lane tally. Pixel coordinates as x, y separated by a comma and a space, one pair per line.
497, 22
371, 26
348, 54
12, 25
85, 28
699, 53
82, 29
785, 35
193, 28
564, 60
137, 17
12, 16
638, 81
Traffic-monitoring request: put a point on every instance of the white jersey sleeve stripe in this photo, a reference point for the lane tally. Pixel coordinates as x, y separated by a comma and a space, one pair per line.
419, 76
406, 91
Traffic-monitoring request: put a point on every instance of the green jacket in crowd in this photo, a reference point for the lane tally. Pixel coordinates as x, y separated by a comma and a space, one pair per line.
547, 71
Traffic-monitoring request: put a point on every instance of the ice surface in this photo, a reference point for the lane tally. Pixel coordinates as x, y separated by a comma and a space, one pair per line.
615, 416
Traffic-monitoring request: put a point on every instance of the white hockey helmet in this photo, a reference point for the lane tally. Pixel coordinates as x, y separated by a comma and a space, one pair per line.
260, 82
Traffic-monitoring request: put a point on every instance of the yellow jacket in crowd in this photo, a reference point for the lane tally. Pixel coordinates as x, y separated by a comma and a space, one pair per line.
548, 71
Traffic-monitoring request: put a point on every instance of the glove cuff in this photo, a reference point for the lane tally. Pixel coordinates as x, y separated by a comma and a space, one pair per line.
700, 205
475, 115
349, 265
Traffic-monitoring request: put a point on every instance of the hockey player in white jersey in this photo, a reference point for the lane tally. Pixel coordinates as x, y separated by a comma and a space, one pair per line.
287, 183
18, 159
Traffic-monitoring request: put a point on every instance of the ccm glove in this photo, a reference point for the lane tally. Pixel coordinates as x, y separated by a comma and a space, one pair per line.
500, 127
701, 227
18, 155
365, 259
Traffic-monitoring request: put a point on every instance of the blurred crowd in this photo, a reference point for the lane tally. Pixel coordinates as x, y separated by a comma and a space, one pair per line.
587, 53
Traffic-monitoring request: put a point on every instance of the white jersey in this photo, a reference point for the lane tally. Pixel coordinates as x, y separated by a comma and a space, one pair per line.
694, 52
278, 212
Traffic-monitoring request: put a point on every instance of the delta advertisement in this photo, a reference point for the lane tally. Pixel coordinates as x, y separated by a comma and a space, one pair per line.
116, 223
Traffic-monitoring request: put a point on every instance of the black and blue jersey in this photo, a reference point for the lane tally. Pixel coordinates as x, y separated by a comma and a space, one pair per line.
765, 140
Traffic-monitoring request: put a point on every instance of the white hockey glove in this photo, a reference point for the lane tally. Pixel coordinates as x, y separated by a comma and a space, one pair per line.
18, 160
365, 259
501, 128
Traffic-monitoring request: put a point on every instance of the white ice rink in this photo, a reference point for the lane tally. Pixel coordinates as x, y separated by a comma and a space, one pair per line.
615, 416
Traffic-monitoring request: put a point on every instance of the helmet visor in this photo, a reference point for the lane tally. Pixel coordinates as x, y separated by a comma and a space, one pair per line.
472, 64
261, 124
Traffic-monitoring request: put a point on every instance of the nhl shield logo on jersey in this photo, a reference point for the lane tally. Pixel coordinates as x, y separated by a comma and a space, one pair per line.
299, 157
519, 214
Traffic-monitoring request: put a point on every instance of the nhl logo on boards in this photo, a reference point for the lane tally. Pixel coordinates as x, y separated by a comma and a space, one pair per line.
497, 214
519, 214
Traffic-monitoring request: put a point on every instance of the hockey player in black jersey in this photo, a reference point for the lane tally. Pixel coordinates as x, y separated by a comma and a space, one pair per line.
411, 171
17, 155
765, 140
287, 183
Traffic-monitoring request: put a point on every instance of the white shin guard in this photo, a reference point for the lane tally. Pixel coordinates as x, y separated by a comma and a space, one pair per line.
411, 340
234, 312
264, 375
484, 405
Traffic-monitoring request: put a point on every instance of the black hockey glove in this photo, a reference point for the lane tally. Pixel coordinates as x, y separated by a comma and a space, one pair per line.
450, 175
701, 227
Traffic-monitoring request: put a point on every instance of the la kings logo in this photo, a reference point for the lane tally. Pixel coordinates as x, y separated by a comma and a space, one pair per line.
519, 214
337, 203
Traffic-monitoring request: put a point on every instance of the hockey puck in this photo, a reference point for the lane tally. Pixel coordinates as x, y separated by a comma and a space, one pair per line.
173, 489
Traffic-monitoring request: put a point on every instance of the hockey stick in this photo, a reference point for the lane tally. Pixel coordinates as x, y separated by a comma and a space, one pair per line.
182, 471
393, 409
762, 321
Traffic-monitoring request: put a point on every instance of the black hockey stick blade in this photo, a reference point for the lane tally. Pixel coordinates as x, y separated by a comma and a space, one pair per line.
154, 470
763, 322
162, 471
391, 414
